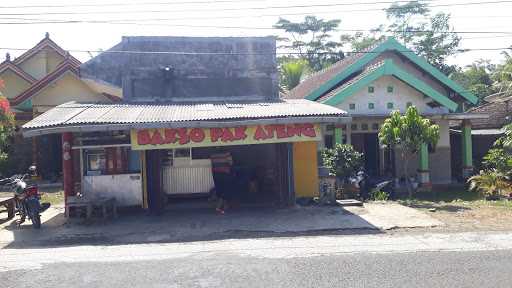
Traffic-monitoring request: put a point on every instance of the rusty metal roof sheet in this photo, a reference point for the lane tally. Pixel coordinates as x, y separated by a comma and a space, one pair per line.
126, 116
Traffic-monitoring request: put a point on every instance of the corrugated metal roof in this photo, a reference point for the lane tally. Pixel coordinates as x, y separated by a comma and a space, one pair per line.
137, 115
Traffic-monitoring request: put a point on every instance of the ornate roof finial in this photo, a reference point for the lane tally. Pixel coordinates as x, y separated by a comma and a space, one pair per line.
7, 56
46, 35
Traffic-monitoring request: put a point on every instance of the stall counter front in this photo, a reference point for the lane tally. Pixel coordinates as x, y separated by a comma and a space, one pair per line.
126, 188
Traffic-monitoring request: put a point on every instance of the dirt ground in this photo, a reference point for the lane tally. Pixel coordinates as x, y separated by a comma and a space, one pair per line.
468, 215
53, 195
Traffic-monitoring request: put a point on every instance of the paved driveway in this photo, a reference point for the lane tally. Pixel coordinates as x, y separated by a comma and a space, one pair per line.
185, 223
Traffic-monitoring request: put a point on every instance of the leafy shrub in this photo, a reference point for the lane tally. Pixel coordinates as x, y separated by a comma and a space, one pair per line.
500, 156
495, 180
498, 159
490, 183
343, 161
378, 195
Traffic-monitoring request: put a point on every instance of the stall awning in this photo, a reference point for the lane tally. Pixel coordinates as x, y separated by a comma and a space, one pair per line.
80, 117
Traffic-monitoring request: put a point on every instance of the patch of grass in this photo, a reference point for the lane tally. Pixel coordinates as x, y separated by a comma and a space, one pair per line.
452, 199
55, 195
50, 189
448, 194
506, 204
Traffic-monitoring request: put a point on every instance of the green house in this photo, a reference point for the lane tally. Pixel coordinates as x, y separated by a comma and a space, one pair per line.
386, 77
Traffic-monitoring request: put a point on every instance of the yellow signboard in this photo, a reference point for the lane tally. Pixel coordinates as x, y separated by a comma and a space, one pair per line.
169, 138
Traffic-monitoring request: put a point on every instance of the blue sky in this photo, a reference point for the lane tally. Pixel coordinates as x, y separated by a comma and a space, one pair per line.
175, 18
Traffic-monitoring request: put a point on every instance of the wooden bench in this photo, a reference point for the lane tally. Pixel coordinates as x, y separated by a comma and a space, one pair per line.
105, 205
9, 203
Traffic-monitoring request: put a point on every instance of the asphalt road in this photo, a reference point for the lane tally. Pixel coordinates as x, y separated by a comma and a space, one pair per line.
425, 269
443, 260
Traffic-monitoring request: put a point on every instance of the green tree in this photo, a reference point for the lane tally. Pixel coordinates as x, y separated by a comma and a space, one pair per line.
499, 158
6, 125
361, 41
291, 72
476, 78
502, 76
505, 141
402, 19
343, 161
433, 38
408, 132
312, 40
438, 42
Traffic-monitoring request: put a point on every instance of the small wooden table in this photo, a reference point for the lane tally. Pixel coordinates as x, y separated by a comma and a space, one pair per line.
104, 204
9, 203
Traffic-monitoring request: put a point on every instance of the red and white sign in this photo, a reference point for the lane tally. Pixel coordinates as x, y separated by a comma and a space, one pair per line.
168, 138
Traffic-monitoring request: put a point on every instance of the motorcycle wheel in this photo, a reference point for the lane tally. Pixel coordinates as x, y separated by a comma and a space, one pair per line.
36, 221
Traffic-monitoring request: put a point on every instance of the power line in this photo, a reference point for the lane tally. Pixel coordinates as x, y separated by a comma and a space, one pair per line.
217, 17
245, 8
229, 17
214, 17
241, 53
487, 37
241, 16
124, 4
234, 27
175, 3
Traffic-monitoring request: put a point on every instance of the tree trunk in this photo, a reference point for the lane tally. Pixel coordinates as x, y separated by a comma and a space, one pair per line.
406, 174
393, 163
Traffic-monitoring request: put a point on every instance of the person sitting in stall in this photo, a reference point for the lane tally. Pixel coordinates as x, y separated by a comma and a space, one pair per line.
222, 163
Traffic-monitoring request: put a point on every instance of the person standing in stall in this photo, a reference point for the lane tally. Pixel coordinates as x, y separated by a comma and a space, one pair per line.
222, 163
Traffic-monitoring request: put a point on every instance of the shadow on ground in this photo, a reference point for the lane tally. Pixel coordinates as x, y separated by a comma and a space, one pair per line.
188, 224
439, 206
443, 198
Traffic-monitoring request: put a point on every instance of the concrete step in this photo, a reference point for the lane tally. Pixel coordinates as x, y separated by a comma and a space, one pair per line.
349, 202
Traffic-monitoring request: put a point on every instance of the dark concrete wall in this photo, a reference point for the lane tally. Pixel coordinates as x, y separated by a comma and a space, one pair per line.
481, 145
229, 68
439, 165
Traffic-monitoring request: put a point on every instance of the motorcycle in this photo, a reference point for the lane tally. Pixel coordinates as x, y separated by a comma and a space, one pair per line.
366, 185
27, 198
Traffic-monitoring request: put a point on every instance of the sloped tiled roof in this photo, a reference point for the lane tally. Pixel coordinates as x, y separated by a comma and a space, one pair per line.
499, 97
315, 80
43, 82
324, 81
497, 112
46, 42
366, 71
8, 65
